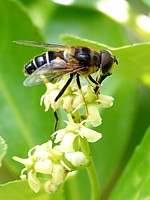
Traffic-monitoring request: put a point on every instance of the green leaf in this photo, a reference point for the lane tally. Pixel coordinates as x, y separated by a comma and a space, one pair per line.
21, 114
20, 190
85, 22
135, 180
116, 130
133, 59
3, 149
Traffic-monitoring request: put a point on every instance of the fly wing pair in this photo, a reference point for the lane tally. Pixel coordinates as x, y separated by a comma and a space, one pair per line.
50, 71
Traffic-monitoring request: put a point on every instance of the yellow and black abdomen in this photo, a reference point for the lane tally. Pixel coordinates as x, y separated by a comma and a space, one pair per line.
41, 60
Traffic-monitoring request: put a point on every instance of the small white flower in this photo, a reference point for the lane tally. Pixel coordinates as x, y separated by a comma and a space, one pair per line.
27, 162
50, 187
43, 159
94, 115
73, 130
66, 144
34, 183
66, 156
67, 103
50, 95
105, 101
59, 174
89, 134
77, 159
23, 176
60, 135
44, 167
72, 100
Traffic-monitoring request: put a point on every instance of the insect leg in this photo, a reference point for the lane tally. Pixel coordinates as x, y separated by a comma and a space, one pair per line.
56, 120
101, 78
58, 96
92, 80
97, 87
64, 88
80, 88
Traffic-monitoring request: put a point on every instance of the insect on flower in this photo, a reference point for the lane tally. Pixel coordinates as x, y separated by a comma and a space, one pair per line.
73, 60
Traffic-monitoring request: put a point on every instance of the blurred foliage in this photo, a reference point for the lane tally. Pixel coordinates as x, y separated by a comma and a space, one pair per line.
122, 156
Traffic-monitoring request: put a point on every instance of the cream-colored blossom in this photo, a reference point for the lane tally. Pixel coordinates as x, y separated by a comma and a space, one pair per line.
59, 174
72, 100
43, 159
44, 167
105, 101
66, 144
55, 162
50, 187
77, 159
50, 95
73, 130
94, 115
33, 181
89, 134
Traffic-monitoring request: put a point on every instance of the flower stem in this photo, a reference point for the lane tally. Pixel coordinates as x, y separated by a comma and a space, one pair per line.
91, 170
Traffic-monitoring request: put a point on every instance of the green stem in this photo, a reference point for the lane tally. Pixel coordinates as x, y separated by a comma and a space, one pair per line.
91, 170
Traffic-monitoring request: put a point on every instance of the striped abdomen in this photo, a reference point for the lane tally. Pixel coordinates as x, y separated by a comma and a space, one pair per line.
42, 59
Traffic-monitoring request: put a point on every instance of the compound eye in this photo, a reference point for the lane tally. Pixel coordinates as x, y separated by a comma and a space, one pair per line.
29, 68
107, 61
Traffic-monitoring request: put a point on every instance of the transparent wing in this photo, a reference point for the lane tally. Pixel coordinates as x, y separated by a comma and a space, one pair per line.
38, 44
51, 72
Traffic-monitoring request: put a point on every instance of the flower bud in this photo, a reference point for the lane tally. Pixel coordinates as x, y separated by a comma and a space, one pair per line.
93, 115
67, 103
105, 101
67, 142
44, 167
50, 187
59, 174
89, 134
77, 159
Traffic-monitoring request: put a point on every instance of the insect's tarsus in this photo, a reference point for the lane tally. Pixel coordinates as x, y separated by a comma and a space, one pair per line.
80, 88
56, 120
64, 88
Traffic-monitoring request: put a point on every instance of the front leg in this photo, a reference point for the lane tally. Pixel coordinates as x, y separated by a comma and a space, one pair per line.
101, 78
58, 96
80, 88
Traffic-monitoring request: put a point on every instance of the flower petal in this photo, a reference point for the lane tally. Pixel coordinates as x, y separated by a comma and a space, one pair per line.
77, 159
50, 187
93, 115
59, 174
105, 101
34, 183
44, 166
67, 142
67, 103
27, 162
91, 135
59, 135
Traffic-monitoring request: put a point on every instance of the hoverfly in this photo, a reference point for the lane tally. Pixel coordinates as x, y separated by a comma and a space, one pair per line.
73, 60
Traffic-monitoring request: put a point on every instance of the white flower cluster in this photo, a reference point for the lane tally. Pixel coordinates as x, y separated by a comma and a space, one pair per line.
73, 101
66, 154
56, 162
